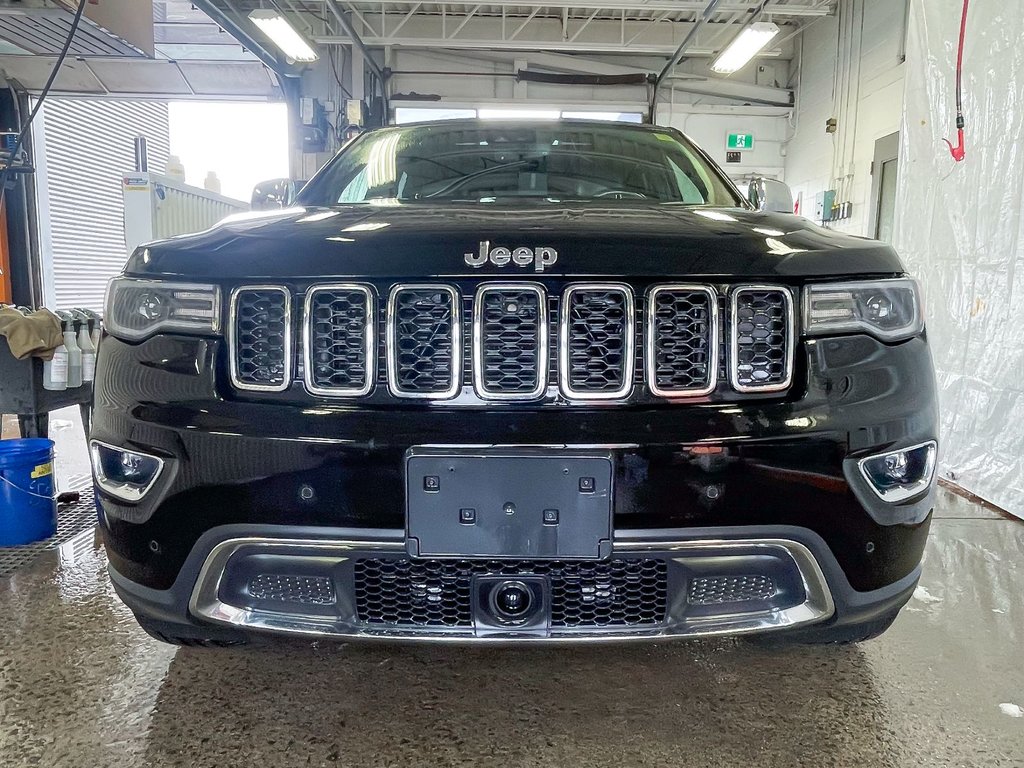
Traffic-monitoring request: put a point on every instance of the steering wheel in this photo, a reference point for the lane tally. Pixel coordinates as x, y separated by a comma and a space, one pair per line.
620, 193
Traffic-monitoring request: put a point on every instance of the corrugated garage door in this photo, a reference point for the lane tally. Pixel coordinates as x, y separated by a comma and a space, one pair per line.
85, 147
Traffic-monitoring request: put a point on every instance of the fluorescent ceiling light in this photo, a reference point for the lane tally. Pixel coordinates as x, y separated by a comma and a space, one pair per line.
746, 46
283, 35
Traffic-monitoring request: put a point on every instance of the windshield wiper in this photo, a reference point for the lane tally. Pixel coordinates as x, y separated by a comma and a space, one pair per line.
456, 183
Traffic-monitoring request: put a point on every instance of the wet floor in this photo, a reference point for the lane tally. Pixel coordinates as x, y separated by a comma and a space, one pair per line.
81, 685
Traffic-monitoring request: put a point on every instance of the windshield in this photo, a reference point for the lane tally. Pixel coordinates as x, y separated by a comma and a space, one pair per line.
483, 162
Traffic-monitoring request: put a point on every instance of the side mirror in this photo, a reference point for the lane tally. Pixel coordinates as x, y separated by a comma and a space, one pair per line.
275, 193
770, 195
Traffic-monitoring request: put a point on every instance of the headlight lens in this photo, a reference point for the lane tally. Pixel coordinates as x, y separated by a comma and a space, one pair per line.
887, 309
136, 309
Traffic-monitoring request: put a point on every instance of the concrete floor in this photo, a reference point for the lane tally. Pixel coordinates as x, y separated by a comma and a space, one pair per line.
81, 685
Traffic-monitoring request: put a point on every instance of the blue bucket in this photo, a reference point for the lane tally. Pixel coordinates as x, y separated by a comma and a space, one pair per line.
28, 505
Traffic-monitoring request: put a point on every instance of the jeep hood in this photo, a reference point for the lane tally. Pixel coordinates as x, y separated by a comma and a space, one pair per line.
424, 241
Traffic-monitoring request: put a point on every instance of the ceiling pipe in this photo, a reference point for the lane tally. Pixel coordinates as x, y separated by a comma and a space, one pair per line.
678, 55
357, 41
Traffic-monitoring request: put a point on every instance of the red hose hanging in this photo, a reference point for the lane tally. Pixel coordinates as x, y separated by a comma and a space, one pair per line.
958, 151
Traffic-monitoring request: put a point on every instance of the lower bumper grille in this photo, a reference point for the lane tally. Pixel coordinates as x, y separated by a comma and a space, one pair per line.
437, 593
718, 590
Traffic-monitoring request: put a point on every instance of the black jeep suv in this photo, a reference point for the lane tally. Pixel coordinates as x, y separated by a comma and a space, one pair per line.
515, 381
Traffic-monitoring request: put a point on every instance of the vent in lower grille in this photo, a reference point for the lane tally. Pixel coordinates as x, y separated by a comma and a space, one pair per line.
424, 345
261, 338
339, 345
510, 342
762, 339
715, 590
437, 593
307, 590
596, 348
682, 340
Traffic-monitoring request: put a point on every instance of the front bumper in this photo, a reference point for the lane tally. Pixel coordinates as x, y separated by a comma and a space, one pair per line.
709, 581
766, 468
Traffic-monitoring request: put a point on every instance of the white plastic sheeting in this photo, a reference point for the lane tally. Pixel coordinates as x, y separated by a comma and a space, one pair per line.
960, 229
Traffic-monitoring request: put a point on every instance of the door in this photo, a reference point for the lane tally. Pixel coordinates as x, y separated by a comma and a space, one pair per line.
883, 186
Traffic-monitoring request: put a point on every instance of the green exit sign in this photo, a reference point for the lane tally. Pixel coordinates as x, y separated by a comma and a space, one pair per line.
740, 141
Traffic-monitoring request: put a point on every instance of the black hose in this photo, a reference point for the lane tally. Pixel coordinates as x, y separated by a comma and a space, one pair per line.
42, 97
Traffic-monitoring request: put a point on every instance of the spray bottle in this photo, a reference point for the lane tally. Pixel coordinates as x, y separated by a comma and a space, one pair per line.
55, 371
74, 351
84, 341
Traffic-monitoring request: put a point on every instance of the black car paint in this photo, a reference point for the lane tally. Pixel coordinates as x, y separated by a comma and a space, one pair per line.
422, 241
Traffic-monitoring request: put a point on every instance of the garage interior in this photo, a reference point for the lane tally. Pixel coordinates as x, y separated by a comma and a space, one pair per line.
164, 114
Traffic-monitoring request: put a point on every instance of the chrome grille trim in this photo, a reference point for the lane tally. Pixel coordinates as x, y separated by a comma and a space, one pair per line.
369, 340
392, 342
629, 351
790, 339
289, 361
651, 335
543, 351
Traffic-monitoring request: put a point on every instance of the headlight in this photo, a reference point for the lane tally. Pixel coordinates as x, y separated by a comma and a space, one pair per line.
139, 308
887, 309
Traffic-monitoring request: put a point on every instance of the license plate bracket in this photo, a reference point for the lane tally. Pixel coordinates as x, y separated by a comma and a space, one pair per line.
498, 503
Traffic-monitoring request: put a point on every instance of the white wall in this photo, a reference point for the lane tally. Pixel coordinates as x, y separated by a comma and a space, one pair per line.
709, 127
866, 97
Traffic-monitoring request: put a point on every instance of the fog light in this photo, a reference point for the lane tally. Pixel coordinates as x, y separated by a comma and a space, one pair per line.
126, 475
899, 475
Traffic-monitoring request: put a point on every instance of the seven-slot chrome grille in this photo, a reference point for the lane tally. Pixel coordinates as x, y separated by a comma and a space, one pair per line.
514, 340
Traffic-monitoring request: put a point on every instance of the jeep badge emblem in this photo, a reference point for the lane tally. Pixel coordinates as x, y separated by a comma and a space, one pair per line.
522, 257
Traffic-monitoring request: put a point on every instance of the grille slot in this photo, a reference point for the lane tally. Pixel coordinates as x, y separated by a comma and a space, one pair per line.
437, 593
596, 342
762, 338
424, 341
716, 590
261, 338
682, 340
282, 588
510, 341
339, 344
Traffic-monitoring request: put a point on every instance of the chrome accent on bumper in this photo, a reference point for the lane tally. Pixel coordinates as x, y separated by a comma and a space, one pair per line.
117, 490
818, 604
896, 495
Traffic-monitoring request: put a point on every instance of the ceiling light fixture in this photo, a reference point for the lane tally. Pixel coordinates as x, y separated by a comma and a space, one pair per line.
283, 35
748, 43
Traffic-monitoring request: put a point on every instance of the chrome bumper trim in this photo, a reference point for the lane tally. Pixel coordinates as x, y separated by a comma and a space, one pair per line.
818, 605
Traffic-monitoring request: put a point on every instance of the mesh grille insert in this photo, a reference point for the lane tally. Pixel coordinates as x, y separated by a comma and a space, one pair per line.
715, 590
423, 354
682, 337
511, 353
437, 593
262, 338
761, 330
597, 348
308, 590
340, 327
